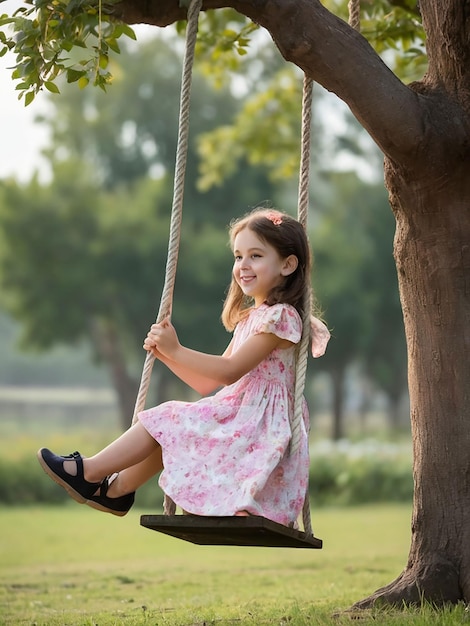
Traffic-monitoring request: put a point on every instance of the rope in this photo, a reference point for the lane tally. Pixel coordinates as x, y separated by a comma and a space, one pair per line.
178, 191
177, 207
354, 7
302, 216
302, 354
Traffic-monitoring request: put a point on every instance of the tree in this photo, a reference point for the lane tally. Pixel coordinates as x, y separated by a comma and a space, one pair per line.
352, 241
423, 130
83, 257
384, 355
71, 269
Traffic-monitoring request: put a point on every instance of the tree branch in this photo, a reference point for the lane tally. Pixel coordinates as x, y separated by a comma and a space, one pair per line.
404, 5
330, 52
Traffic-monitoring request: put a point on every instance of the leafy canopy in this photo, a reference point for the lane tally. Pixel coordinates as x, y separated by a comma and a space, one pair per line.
70, 37
76, 37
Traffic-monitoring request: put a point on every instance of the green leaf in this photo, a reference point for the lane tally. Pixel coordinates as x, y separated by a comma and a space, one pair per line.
29, 98
83, 82
5, 19
52, 87
74, 75
124, 29
103, 61
113, 44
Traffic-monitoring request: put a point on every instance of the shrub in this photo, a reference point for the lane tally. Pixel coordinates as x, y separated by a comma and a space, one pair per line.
341, 474
22, 481
345, 473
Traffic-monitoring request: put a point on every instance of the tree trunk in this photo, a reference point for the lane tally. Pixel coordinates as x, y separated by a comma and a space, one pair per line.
424, 133
432, 251
338, 380
393, 411
107, 346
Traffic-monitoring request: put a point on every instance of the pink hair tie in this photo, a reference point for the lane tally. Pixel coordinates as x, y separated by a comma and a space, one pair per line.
274, 217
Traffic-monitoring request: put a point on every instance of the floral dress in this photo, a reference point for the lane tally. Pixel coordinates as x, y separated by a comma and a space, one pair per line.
229, 452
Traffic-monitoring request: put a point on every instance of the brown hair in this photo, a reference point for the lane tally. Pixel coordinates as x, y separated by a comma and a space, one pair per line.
287, 236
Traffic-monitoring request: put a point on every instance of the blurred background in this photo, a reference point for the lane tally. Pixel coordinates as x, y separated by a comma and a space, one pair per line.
86, 183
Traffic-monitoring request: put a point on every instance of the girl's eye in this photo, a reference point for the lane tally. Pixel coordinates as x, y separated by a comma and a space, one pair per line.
253, 256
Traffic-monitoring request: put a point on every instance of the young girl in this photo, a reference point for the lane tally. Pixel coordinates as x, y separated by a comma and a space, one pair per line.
227, 453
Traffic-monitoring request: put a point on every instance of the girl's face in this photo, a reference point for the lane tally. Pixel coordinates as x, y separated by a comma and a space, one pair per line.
258, 267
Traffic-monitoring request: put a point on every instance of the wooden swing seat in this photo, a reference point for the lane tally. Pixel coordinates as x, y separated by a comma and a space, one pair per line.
230, 531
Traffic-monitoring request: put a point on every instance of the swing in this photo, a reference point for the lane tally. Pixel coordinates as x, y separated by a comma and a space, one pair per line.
252, 530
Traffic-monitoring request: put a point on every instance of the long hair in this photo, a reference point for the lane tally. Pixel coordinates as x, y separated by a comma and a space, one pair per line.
287, 236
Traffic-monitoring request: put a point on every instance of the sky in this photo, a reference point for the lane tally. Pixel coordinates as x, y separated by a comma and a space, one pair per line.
21, 138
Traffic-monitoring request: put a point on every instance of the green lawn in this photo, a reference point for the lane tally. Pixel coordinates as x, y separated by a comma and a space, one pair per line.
74, 565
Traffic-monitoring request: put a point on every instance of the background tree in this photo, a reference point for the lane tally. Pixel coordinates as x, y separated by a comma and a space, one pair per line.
59, 248
93, 241
383, 358
354, 273
128, 137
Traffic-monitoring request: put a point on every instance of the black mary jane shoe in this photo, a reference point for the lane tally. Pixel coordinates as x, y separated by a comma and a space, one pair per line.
117, 506
76, 486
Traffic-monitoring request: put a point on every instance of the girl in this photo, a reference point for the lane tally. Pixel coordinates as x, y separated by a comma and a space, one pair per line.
227, 453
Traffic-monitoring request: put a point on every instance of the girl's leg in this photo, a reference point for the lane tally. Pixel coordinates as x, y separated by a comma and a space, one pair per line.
134, 458
131, 478
132, 447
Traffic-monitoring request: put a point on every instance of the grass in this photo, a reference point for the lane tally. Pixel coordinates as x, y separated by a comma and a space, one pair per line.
72, 565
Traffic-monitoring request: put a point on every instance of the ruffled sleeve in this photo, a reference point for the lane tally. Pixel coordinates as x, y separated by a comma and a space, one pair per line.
281, 320
320, 336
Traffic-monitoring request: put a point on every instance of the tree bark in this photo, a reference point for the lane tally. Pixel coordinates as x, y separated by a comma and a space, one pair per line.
424, 132
106, 341
338, 377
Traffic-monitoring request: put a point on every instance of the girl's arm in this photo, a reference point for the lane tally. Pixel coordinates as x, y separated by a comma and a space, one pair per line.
200, 367
196, 380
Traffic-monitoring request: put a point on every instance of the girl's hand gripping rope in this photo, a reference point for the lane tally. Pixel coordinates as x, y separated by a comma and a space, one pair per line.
162, 339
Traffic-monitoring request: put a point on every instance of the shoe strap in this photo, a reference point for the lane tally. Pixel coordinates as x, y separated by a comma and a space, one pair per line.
104, 487
77, 457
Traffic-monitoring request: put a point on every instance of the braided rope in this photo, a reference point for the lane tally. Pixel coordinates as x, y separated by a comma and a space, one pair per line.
302, 216
177, 206
178, 191
302, 354
354, 7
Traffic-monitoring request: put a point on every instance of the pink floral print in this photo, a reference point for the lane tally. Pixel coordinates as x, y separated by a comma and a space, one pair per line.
230, 452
